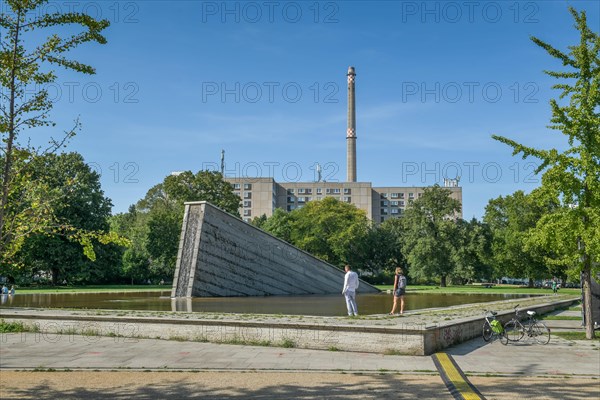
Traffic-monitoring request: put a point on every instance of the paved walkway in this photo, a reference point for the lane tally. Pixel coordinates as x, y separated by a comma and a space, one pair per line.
526, 360
30, 351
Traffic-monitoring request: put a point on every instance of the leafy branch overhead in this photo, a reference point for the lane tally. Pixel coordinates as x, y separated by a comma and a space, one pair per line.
571, 177
27, 205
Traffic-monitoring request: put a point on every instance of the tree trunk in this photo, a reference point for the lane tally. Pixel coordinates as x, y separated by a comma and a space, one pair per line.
54, 276
530, 283
587, 303
12, 131
443, 281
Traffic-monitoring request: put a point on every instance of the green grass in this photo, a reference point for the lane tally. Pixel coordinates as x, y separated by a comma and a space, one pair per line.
288, 343
498, 289
574, 335
93, 289
12, 327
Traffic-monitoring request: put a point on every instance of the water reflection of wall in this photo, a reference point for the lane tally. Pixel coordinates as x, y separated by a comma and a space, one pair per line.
181, 304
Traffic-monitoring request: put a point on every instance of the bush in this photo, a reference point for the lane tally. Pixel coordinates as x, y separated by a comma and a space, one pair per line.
384, 277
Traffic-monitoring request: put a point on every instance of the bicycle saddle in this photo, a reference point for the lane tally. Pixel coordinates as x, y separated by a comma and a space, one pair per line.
530, 312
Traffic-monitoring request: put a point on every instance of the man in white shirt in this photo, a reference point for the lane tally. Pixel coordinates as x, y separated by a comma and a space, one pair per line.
349, 291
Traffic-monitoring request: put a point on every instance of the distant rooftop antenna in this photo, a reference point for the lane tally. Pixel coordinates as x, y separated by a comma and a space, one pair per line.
319, 170
223, 162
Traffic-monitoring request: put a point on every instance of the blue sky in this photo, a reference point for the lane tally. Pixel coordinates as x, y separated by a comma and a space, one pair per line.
266, 81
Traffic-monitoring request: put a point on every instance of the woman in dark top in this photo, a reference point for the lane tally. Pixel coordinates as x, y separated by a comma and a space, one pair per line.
399, 289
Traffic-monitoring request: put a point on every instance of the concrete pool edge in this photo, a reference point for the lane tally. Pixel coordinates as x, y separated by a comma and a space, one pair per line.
403, 335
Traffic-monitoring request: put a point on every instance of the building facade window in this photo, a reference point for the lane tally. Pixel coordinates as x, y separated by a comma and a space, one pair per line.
247, 186
395, 195
247, 195
336, 191
347, 191
247, 203
290, 191
348, 199
384, 203
236, 186
394, 203
319, 191
247, 213
383, 195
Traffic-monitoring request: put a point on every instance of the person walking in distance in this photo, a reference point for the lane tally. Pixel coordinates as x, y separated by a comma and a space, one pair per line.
399, 290
349, 290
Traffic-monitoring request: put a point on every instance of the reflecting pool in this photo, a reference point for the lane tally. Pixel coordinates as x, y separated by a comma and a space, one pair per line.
328, 305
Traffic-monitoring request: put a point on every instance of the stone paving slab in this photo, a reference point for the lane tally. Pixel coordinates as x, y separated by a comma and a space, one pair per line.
28, 351
562, 369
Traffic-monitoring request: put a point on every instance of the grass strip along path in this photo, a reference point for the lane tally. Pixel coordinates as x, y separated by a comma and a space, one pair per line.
498, 289
93, 289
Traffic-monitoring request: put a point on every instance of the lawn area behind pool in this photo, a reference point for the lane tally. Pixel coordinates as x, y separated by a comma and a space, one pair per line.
497, 289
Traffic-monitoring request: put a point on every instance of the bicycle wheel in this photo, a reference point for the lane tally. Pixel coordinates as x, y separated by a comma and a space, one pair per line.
487, 332
513, 332
540, 332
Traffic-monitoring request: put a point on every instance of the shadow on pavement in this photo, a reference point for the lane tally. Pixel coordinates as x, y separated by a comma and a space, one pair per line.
226, 385
537, 388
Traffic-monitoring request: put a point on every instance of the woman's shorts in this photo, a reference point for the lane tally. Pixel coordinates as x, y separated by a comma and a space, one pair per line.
399, 292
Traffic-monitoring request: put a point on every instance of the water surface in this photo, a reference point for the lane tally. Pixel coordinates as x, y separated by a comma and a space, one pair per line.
324, 305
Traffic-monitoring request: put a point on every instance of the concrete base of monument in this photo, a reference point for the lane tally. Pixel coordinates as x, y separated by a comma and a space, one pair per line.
415, 333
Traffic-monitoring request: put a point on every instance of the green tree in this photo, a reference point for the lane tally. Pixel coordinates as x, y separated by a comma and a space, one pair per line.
154, 224
259, 222
26, 205
428, 242
135, 262
279, 224
472, 251
86, 209
381, 248
511, 220
164, 230
572, 176
330, 230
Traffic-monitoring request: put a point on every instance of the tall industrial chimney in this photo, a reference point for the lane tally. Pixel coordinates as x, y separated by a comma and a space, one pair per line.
351, 132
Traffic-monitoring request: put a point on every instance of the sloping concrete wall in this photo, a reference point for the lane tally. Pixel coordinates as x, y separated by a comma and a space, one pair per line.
221, 255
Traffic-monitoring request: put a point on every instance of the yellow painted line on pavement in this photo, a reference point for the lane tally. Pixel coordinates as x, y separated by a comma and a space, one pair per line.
455, 380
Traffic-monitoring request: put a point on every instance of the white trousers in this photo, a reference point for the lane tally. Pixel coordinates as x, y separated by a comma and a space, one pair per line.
351, 302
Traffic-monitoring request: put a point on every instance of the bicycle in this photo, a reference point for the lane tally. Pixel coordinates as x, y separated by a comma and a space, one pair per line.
514, 330
491, 326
